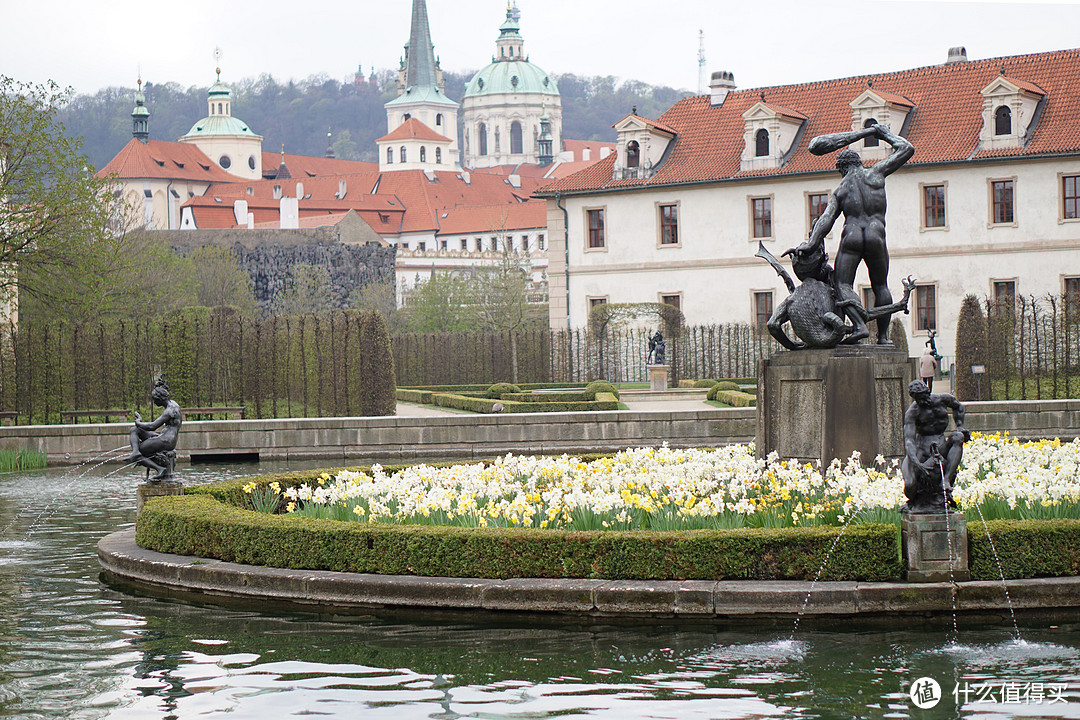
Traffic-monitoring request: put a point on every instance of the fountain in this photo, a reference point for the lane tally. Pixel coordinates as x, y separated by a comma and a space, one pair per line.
156, 451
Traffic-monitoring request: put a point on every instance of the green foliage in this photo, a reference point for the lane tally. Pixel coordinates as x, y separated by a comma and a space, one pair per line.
606, 315
219, 280
309, 291
440, 304
480, 404
703, 383
377, 384
722, 386
498, 389
897, 335
21, 459
736, 398
197, 524
971, 349
379, 296
600, 386
1026, 548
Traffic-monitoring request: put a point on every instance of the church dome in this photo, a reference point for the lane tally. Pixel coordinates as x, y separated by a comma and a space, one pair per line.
219, 125
511, 77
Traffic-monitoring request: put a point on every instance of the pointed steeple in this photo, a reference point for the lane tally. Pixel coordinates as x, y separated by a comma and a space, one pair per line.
420, 64
140, 117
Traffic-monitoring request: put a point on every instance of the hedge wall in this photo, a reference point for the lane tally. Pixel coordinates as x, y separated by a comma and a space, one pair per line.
1027, 548
736, 398
200, 525
604, 401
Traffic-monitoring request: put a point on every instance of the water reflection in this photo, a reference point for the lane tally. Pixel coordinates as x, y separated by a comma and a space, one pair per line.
71, 647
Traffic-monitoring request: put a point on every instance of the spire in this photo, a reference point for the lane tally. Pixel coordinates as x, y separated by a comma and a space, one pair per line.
329, 144
420, 66
140, 117
510, 45
282, 171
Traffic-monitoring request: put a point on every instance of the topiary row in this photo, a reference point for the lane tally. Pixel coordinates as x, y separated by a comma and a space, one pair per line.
603, 401
201, 526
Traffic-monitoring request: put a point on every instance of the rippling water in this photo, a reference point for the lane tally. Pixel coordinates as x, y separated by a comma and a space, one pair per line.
72, 647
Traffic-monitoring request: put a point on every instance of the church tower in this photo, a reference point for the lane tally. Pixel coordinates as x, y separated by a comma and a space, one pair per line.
140, 117
420, 87
506, 105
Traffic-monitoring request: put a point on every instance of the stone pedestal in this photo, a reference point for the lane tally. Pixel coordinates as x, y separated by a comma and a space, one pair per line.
825, 404
932, 543
148, 490
658, 377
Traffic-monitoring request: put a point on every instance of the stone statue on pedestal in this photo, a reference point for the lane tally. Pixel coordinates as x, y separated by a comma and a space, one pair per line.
931, 458
657, 349
157, 450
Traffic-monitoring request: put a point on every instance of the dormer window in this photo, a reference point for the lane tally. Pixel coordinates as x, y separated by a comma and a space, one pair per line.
641, 147
872, 107
1003, 120
761, 143
1009, 109
633, 154
768, 135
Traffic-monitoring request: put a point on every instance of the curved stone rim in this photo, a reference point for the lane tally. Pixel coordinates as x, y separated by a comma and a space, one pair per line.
123, 560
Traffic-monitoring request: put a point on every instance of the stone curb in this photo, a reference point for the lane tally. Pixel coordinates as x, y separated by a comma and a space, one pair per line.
123, 560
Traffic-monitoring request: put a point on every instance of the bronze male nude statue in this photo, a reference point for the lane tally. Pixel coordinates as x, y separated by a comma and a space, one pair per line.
861, 198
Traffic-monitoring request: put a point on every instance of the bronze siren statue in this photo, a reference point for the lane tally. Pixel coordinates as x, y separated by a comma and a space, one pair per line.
157, 450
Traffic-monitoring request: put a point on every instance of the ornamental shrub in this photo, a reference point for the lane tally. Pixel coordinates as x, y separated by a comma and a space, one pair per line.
377, 384
722, 386
497, 390
599, 386
736, 398
971, 349
704, 383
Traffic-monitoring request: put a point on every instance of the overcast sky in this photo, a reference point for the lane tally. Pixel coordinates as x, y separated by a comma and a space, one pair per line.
90, 45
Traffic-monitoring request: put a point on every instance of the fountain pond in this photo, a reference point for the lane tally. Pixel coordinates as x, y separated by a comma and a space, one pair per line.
74, 647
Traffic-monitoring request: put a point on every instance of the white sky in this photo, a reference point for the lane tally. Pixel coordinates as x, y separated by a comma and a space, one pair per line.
90, 45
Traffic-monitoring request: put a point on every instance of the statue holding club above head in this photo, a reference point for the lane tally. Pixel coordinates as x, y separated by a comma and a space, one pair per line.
157, 450
931, 458
657, 349
861, 198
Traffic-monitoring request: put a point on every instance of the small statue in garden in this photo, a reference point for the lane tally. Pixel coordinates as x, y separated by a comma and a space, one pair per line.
157, 450
930, 458
657, 349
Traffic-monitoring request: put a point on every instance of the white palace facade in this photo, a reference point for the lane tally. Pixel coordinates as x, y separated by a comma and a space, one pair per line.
987, 206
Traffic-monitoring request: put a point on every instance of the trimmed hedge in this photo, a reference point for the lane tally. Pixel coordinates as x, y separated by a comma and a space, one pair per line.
704, 383
199, 525
736, 398
722, 385
603, 401
497, 390
600, 386
543, 397
1027, 548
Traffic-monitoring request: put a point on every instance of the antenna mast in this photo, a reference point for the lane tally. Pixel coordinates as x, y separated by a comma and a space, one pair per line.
701, 63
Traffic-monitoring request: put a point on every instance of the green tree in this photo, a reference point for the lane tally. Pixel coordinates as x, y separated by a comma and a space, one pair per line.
218, 279
440, 304
377, 382
345, 147
971, 349
63, 233
379, 296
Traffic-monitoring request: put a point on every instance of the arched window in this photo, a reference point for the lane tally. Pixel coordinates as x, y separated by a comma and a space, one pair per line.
515, 137
481, 137
438, 119
871, 141
438, 156
761, 143
633, 154
423, 154
1003, 120
219, 111
389, 156
403, 155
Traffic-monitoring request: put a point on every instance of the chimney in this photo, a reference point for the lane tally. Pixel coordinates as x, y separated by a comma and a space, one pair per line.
240, 212
342, 189
957, 54
290, 213
720, 85
605, 151
515, 181
465, 177
586, 153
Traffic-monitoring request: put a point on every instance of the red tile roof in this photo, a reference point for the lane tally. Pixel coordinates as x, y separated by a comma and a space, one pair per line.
578, 147
403, 201
943, 126
303, 166
650, 123
493, 218
413, 129
158, 159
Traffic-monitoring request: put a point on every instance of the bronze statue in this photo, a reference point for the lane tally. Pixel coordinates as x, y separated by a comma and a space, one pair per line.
861, 198
157, 450
816, 307
930, 458
657, 349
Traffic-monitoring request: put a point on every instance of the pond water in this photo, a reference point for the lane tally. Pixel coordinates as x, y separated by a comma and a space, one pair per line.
73, 647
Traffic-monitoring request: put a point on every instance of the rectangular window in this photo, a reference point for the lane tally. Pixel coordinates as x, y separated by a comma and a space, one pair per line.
594, 301
1002, 195
540, 242
816, 203
669, 224
1072, 298
763, 309
925, 308
464, 244
673, 300
867, 297
1004, 296
524, 243
762, 215
933, 206
1070, 192
422, 245
596, 228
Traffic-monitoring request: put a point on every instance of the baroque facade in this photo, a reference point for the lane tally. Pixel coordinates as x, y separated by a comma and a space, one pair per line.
988, 205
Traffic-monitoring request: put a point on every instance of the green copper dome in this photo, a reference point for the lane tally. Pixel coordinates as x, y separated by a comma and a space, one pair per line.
511, 76
219, 125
